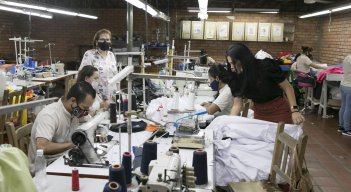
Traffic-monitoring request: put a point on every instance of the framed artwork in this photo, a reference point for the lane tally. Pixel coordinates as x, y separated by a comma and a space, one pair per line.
250, 31
222, 30
210, 30
197, 30
277, 32
264, 32
186, 29
238, 31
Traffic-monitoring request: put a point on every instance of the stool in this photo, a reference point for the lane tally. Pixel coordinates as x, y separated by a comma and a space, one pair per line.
307, 83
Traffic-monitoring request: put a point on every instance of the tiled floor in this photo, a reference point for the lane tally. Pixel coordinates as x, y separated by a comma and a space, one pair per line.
328, 155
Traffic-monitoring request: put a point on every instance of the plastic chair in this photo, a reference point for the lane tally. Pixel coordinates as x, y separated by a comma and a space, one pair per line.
282, 163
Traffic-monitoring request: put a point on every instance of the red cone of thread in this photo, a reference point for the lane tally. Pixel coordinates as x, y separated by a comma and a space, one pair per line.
75, 180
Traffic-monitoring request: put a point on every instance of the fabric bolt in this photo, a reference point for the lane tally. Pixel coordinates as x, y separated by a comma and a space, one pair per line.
55, 124
224, 101
251, 141
107, 68
323, 74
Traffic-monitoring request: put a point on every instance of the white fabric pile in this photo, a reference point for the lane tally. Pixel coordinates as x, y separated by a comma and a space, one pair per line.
247, 155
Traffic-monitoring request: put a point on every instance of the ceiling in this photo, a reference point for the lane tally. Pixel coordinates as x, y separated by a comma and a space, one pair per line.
283, 5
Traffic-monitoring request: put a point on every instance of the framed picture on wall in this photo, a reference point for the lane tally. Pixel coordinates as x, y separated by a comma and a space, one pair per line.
238, 31
277, 30
210, 30
197, 30
264, 32
250, 31
222, 30
186, 29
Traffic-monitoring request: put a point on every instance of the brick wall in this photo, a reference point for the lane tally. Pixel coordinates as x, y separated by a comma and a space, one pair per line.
68, 33
336, 43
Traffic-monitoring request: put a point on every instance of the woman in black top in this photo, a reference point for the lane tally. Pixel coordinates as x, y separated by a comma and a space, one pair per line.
264, 83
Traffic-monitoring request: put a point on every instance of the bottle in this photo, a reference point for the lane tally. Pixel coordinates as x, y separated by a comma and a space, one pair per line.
40, 179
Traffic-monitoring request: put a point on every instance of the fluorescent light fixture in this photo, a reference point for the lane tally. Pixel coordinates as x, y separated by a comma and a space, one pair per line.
341, 8
27, 12
272, 12
26, 6
87, 16
315, 14
210, 10
260, 10
63, 12
149, 9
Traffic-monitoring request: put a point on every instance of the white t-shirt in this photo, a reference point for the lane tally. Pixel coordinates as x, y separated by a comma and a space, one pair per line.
55, 124
303, 63
346, 80
107, 69
224, 101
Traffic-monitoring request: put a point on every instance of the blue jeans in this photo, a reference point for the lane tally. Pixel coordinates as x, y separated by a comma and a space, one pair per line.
345, 110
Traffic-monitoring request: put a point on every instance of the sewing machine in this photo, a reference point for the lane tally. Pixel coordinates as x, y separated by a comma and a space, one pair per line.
165, 174
86, 153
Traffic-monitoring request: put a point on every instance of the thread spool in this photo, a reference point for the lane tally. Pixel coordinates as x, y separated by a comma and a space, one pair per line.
127, 163
200, 167
174, 149
175, 100
112, 187
117, 174
191, 101
113, 118
75, 180
149, 153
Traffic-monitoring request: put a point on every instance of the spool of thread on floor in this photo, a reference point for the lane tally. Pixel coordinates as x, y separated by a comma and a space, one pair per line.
127, 163
149, 153
75, 180
117, 174
200, 166
113, 116
112, 187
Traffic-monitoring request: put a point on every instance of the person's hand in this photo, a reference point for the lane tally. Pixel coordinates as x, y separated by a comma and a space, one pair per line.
297, 118
205, 104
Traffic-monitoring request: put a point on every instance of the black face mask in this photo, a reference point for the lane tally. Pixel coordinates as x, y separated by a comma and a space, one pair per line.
105, 46
78, 112
214, 85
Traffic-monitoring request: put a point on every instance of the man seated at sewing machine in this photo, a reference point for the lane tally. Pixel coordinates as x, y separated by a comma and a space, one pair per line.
54, 125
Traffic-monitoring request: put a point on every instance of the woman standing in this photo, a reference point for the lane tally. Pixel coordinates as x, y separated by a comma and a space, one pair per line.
264, 83
104, 60
345, 88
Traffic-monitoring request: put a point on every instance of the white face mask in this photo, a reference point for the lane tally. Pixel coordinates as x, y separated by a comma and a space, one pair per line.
95, 85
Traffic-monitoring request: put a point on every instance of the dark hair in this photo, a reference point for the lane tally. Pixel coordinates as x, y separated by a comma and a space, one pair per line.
86, 71
221, 72
98, 33
307, 51
80, 90
250, 75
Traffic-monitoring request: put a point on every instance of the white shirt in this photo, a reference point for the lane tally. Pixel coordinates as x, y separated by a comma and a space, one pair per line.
55, 124
346, 80
224, 101
107, 69
303, 63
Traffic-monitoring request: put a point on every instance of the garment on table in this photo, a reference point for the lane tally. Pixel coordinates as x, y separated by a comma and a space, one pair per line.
251, 141
55, 124
267, 87
14, 173
323, 74
224, 101
107, 68
303, 63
